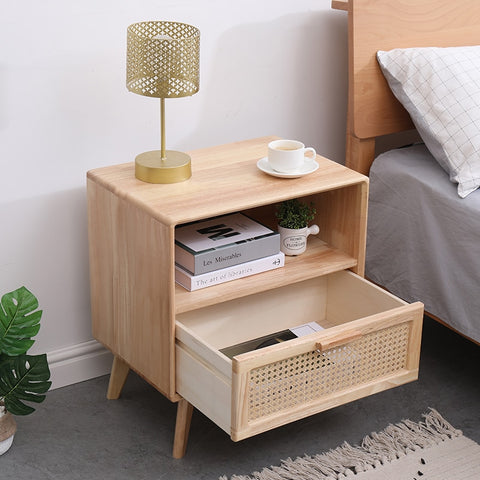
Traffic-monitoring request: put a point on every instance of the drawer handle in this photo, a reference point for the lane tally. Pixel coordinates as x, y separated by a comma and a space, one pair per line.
338, 340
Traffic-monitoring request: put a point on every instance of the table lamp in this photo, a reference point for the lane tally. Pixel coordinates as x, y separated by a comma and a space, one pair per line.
163, 61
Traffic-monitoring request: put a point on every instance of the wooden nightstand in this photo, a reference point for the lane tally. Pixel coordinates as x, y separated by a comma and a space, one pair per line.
172, 337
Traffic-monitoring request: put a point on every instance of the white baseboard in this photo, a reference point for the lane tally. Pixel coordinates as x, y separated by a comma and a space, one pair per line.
78, 363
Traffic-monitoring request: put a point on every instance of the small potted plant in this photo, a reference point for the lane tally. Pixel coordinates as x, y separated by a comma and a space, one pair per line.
293, 219
23, 378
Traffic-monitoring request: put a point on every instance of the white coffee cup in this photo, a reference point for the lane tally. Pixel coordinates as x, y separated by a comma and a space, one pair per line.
287, 156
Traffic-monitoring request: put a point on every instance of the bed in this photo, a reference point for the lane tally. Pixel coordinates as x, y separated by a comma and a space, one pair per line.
423, 240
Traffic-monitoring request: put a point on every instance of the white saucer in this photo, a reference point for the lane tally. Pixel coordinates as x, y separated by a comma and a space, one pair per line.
308, 167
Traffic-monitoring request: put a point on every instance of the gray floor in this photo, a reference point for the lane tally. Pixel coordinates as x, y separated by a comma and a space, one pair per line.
77, 434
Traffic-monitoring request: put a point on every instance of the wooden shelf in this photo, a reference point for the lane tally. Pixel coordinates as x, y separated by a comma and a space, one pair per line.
318, 260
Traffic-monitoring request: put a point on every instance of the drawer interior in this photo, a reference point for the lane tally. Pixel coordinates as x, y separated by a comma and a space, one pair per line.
329, 300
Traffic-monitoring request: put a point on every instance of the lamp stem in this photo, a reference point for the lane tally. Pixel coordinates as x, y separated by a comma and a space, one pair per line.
162, 129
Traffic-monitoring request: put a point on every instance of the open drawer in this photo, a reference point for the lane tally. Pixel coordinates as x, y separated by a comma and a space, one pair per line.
370, 342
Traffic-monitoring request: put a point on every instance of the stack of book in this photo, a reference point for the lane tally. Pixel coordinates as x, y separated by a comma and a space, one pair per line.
222, 249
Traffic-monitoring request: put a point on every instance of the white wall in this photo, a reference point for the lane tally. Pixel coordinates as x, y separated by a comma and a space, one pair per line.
267, 67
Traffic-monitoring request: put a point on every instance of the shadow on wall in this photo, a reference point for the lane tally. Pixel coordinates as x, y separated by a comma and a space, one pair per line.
44, 247
286, 77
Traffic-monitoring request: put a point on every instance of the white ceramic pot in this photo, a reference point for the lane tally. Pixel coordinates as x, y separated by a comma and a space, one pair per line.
8, 427
293, 241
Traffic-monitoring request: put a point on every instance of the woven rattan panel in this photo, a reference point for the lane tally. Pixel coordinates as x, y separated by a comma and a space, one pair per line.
312, 375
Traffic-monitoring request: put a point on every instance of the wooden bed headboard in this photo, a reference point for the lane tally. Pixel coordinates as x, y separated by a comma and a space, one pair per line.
376, 25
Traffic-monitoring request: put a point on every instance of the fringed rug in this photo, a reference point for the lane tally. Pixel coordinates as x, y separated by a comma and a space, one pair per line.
428, 450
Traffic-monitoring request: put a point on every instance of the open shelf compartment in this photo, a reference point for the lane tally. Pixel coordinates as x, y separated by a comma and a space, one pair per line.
339, 246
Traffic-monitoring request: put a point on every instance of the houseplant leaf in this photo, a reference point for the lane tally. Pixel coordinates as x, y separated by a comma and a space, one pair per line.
19, 321
295, 214
24, 378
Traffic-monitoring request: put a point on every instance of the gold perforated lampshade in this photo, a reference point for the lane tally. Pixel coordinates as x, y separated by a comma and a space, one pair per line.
163, 61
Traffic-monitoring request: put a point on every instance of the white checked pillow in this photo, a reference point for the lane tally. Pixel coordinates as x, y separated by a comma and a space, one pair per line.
440, 89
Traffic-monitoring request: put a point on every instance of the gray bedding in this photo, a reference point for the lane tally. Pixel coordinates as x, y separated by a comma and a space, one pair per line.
423, 240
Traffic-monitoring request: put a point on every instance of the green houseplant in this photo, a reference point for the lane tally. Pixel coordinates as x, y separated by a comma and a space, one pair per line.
293, 218
23, 378
295, 214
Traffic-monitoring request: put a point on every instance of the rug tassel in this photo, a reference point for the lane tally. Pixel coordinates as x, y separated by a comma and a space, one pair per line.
436, 423
375, 450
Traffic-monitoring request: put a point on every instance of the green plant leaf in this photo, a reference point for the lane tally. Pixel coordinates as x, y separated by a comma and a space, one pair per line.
19, 321
295, 214
24, 378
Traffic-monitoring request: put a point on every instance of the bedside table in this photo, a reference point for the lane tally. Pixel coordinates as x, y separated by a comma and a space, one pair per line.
171, 337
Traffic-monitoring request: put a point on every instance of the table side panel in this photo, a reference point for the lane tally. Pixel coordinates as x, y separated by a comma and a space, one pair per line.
132, 286
342, 217
101, 262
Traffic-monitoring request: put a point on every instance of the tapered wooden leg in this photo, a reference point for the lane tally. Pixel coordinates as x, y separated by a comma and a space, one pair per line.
182, 428
118, 376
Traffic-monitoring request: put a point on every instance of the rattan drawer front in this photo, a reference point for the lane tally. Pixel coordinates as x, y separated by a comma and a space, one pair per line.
312, 375
262, 389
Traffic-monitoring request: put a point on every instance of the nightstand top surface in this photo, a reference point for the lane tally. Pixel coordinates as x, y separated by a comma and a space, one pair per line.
224, 179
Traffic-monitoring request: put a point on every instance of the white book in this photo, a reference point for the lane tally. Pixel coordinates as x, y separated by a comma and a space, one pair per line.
203, 280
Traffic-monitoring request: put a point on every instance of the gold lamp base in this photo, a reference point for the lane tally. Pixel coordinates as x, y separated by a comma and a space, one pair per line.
149, 167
